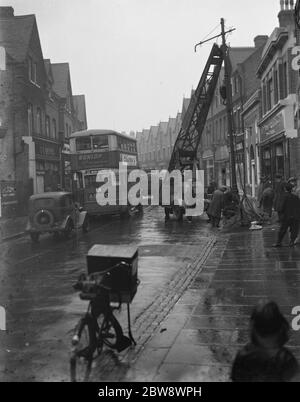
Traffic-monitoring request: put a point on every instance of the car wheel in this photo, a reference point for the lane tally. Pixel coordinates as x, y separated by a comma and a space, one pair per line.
35, 237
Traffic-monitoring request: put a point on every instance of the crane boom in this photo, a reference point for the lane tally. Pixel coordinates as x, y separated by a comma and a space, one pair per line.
189, 137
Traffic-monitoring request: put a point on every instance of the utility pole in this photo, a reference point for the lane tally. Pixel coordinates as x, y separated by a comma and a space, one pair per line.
228, 99
229, 108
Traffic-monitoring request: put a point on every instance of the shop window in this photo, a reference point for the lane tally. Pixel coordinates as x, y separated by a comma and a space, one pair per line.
266, 162
279, 159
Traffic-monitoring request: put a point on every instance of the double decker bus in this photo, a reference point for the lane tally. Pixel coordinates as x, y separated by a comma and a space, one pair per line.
93, 151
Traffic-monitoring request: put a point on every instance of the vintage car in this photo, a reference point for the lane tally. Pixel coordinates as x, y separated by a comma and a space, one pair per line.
57, 213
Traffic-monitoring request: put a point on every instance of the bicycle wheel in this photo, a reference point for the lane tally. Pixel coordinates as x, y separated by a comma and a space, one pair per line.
110, 330
84, 350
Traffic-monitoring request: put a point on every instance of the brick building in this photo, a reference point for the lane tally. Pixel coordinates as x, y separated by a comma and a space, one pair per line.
279, 140
36, 111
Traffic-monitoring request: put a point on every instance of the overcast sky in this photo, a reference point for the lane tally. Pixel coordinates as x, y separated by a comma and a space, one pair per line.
134, 59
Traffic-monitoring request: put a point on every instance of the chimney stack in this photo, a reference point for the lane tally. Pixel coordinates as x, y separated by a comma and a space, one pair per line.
260, 41
286, 14
6, 12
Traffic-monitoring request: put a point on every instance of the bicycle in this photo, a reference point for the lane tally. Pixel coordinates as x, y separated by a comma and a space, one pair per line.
98, 327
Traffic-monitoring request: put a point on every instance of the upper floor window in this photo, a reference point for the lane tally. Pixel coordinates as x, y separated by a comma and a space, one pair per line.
2, 59
270, 93
47, 126
39, 121
32, 70
285, 80
30, 119
54, 129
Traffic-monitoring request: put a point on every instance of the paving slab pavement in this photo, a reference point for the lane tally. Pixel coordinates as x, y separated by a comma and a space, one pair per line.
12, 227
201, 335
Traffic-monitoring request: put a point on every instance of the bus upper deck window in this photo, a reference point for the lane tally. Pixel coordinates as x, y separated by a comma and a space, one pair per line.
83, 144
100, 142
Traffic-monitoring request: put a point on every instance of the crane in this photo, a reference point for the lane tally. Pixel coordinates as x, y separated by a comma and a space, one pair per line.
184, 153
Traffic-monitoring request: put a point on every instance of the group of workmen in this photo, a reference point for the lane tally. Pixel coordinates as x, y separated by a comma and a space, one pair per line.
282, 197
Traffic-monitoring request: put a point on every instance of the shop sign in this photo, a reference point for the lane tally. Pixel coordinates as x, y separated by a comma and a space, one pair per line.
46, 149
273, 126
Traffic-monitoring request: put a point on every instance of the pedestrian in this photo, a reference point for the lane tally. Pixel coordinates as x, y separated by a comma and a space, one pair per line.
265, 358
296, 185
280, 184
260, 190
231, 203
290, 212
297, 188
211, 188
267, 199
215, 208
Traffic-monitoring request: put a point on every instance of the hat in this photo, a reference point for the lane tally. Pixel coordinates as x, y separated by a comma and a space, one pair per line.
267, 319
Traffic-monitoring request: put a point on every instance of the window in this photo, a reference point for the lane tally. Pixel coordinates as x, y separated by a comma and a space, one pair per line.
47, 126
279, 159
100, 142
270, 93
276, 95
266, 162
39, 121
54, 130
30, 119
32, 70
2, 59
83, 144
285, 80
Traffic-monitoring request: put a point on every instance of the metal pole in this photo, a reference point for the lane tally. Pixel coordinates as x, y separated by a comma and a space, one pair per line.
229, 108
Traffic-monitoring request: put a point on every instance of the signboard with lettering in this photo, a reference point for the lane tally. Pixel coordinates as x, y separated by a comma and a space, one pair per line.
47, 149
130, 160
96, 160
273, 126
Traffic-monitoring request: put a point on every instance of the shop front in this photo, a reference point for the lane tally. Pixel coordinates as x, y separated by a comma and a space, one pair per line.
274, 146
47, 166
208, 167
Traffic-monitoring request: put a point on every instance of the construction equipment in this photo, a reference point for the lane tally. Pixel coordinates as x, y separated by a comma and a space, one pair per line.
184, 155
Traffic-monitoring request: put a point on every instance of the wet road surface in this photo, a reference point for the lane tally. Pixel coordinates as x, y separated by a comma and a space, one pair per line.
42, 309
